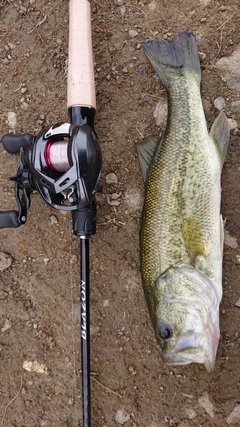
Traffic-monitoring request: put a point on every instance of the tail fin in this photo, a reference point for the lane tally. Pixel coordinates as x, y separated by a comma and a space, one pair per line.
178, 56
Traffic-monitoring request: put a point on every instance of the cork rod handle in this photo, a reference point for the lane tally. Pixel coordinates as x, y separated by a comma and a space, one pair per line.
81, 85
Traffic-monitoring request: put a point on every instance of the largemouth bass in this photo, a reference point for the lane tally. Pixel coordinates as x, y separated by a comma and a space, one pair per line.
181, 236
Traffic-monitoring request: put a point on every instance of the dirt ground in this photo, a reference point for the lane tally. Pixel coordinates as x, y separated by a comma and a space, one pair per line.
39, 314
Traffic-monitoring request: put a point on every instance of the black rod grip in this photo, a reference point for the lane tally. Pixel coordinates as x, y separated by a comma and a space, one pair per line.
13, 143
9, 219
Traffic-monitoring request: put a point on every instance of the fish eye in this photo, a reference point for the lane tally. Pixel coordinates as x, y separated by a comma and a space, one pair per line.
164, 331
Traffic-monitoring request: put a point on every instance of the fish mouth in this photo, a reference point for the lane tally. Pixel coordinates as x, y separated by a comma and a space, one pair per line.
190, 348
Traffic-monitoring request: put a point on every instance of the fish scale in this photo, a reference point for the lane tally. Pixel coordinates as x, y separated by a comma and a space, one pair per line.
181, 227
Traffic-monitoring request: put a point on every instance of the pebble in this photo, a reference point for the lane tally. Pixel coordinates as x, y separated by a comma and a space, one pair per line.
229, 66
219, 103
46, 423
160, 113
237, 303
152, 6
133, 33
121, 417
232, 124
122, 10
36, 367
7, 325
111, 178
235, 107
54, 219
206, 404
5, 61
11, 119
106, 303
230, 241
234, 416
190, 413
5, 261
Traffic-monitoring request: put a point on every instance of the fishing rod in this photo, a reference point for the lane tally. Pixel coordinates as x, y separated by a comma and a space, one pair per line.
63, 164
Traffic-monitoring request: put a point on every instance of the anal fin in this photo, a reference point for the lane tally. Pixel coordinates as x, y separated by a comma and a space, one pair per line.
147, 151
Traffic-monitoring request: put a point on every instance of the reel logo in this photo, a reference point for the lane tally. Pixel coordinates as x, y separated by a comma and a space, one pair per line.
83, 310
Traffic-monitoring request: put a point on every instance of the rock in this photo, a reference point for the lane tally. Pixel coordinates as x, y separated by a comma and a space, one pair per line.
206, 403
121, 417
36, 367
219, 103
237, 303
106, 303
229, 66
232, 124
230, 240
160, 113
7, 325
235, 107
54, 219
152, 6
5, 261
190, 413
234, 417
133, 33
111, 178
122, 10
11, 119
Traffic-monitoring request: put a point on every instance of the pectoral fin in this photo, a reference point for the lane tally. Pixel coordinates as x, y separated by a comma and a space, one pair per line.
220, 135
193, 238
147, 150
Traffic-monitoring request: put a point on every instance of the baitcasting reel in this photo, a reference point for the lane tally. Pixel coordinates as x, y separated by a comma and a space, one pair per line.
63, 163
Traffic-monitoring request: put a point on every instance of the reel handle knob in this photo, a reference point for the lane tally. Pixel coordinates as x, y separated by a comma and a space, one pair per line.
13, 143
9, 219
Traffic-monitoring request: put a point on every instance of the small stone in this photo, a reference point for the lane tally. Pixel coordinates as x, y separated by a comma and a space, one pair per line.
203, 19
106, 303
46, 260
222, 8
23, 90
36, 367
234, 417
5, 61
235, 107
7, 325
232, 124
190, 413
206, 404
219, 103
24, 106
46, 423
122, 10
237, 303
5, 261
229, 66
11, 45
11, 119
152, 6
160, 113
111, 178
230, 241
133, 33
125, 70
54, 219
115, 196
142, 70
202, 56
121, 417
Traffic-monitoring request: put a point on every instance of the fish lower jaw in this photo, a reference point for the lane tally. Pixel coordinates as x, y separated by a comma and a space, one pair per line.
191, 356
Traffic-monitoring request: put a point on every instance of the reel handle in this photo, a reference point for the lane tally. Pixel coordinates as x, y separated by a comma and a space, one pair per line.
9, 219
13, 143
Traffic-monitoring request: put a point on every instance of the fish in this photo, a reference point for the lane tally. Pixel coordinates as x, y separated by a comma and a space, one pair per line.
181, 231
